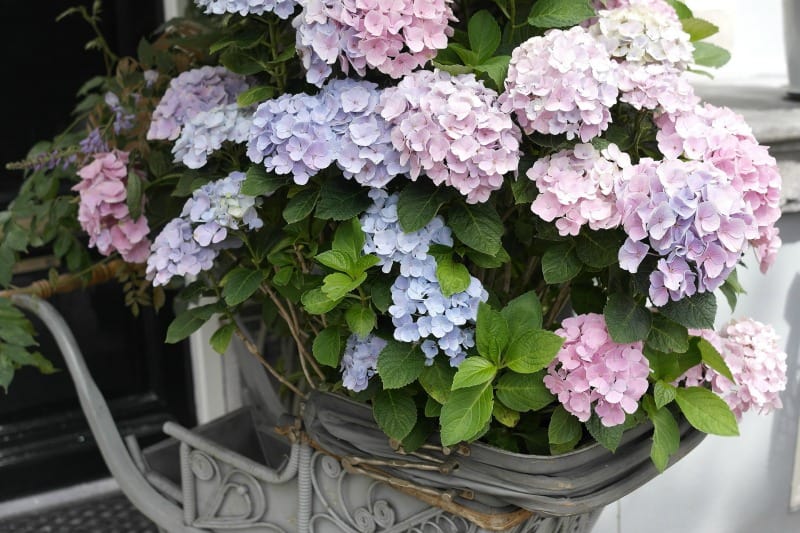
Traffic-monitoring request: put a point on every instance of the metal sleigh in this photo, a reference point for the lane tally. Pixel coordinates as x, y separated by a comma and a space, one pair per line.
241, 473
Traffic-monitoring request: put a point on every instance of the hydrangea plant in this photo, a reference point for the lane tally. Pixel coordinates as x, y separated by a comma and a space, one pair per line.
508, 220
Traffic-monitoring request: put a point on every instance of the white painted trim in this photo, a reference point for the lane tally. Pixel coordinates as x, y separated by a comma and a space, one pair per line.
174, 8
217, 384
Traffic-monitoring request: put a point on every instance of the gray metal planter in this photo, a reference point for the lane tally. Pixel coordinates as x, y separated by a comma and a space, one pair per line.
240, 473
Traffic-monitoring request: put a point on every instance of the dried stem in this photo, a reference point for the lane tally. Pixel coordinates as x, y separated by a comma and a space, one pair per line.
253, 349
558, 304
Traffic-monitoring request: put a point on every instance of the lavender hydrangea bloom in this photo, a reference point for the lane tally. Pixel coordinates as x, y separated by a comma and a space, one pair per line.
282, 8
219, 206
123, 121
300, 134
205, 132
391, 244
190, 93
360, 361
93, 143
175, 252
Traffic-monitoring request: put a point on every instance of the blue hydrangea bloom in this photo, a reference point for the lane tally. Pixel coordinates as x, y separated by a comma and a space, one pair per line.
282, 8
175, 252
360, 360
205, 132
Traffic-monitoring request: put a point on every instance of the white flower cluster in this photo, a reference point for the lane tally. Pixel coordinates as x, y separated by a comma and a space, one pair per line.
282, 8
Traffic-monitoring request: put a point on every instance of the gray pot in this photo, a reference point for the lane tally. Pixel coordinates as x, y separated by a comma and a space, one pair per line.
791, 35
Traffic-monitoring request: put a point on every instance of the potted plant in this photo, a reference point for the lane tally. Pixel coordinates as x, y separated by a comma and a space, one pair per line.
502, 224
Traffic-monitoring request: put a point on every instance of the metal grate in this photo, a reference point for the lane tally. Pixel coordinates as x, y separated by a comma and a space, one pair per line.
108, 514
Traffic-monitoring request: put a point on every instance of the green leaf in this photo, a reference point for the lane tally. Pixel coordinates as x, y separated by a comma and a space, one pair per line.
300, 205
349, 238
6, 372
467, 56
381, 294
626, 320
663, 393
240, 284
491, 333
189, 321
482, 260
336, 260
7, 261
523, 313
423, 429
670, 366
328, 346
317, 302
453, 277
698, 29
255, 95
497, 69
466, 413
399, 364
437, 380
559, 13
523, 392
732, 289
712, 358
478, 226
564, 431
395, 413
258, 182
221, 338
666, 435
342, 200
560, 263
337, 285
15, 237
532, 351
360, 320
474, 371
694, 312
524, 190
240, 62
706, 411
418, 203
667, 336
710, 55
504, 415
681, 9
598, 249
433, 409
484, 34
608, 437
133, 192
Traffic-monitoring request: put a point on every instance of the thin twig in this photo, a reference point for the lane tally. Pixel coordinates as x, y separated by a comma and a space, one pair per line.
311, 359
558, 304
253, 349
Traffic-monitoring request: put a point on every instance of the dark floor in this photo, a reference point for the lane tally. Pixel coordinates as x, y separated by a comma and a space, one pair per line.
107, 514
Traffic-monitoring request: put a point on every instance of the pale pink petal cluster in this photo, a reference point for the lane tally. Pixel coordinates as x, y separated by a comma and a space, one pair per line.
692, 216
641, 33
662, 8
591, 369
451, 129
562, 82
392, 36
576, 187
103, 212
721, 137
655, 86
758, 365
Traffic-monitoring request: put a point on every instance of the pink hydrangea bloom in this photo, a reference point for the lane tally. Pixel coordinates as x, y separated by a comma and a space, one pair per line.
639, 31
721, 137
576, 187
655, 86
660, 7
562, 82
692, 216
758, 365
452, 129
394, 37
591, 369
103, 211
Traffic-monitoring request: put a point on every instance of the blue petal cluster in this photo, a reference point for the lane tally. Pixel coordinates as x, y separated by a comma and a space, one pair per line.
205, 132
189, 244
282, 8
93, 143
360, 360
123, 121
301, 134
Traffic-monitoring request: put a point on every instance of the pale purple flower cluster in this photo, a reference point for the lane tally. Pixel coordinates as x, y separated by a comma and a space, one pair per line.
655, 86
562, 82
123, 121
175, 253
385, 238
282, 8
639, 32
452, 129
419, 310
360, 361
758, 365
300, 134
591, 369
190, 93
103, 212
189, 244
694, 218
721, 137
93, 143
394, 37
205, 132
577, 187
